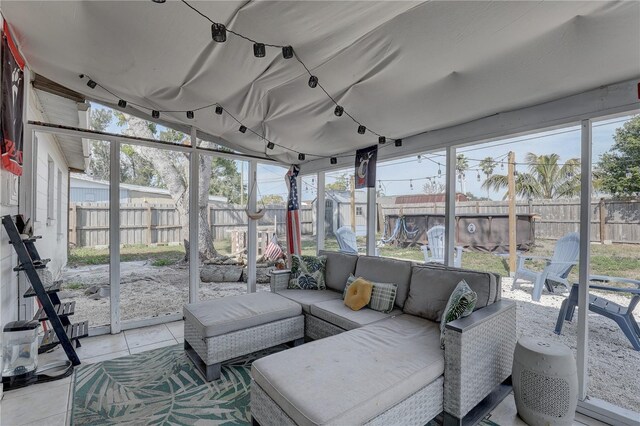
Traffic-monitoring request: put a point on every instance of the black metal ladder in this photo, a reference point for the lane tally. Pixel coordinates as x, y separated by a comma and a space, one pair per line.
62, 331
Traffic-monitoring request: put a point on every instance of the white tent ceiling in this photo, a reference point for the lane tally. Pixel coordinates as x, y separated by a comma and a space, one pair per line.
400, 68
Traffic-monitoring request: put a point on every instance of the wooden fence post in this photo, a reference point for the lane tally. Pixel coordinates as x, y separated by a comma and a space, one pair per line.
149, 218
603, 216
72, 225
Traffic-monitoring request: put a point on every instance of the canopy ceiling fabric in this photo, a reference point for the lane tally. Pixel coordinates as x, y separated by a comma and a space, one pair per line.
401, 68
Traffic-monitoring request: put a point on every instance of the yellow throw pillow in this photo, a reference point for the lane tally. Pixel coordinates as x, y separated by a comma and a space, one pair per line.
358, 294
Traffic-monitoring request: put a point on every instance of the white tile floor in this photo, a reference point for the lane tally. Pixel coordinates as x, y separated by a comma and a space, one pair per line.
48, 404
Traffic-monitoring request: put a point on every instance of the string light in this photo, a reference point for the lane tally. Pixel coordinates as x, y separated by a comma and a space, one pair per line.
270, 145
501, 166
159, 1
479, 178
259, 50
382, 140
287, 52
218, 32
439, 170
301, 157
333, 160
419, 158
411, 184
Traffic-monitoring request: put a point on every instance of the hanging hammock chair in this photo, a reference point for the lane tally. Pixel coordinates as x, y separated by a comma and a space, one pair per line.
257, 215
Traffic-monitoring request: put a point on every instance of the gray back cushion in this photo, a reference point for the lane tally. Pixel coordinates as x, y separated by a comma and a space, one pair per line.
385, 270
432, 285
339, 267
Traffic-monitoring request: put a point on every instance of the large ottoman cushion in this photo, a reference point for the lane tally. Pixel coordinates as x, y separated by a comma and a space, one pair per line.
431, 287
336, 313
383, 270
233, 313
306, 298
339, 267
353, 377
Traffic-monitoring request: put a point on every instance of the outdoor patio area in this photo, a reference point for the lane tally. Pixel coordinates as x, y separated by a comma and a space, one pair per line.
305, 213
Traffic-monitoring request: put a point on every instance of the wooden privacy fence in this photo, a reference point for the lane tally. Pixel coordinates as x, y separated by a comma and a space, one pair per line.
146, 224
612, 220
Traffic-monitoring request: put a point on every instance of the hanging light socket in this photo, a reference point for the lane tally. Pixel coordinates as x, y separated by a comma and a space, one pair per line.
270, 145
92, 84
313, 81
382, 140
159, 1
122, 103
219, 110
218, 33
259, 50
398, 142
287, 52
361, 129
190, 115
334, 160
242, 129
301, 157
338, 111
155, 114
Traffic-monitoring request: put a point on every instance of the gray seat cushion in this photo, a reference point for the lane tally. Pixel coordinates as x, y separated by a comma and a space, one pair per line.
229, 314
432, 285
306, 298
353, 377
383, 270
336, 313
339, 267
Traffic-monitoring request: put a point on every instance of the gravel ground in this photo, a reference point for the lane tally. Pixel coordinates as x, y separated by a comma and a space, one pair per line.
150, 291
613, 363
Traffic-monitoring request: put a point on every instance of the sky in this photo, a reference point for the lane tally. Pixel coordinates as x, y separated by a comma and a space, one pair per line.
407, 175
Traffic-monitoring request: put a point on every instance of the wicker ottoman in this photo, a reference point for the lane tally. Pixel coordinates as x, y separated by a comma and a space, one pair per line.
219, 330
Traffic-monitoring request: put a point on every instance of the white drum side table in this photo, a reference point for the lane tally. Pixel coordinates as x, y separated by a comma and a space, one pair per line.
545, 382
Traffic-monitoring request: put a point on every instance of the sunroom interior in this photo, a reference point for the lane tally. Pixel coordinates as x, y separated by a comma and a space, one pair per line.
149, 124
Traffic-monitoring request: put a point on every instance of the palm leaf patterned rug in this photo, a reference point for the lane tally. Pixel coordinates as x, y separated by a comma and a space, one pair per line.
162, 387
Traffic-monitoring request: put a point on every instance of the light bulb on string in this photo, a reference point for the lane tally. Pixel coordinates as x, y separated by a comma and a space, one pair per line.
155, 114
411, 184
333, 160
259, 50
501, 166
287, 52
419, 158
338, 111
382, 140
122, 103
361, 129
479, 178
218, 33
301, 157
219, 110
270, 145
439, 170
313, 81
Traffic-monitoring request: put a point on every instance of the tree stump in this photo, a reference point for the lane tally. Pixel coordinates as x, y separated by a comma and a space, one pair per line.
220, 273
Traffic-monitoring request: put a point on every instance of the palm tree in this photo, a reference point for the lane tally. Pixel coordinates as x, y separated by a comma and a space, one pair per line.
546, 178
488, 165
462, 165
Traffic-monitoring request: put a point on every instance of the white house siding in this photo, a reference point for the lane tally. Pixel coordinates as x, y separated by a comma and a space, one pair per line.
53, 244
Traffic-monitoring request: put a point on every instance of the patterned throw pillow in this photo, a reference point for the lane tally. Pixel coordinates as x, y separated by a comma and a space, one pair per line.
460, 305
307, 272
383, 295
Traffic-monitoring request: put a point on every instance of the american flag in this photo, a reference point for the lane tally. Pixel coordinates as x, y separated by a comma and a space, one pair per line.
293, 219
273, 250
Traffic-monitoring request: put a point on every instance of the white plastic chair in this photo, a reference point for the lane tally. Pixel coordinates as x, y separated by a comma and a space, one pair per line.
435, 247
565, 257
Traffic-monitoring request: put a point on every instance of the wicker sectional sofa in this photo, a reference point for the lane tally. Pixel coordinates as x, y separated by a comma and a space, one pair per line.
368, 367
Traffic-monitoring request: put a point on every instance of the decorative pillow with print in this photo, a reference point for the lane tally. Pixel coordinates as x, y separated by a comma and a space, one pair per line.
460, 305
383, 295
307, 272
